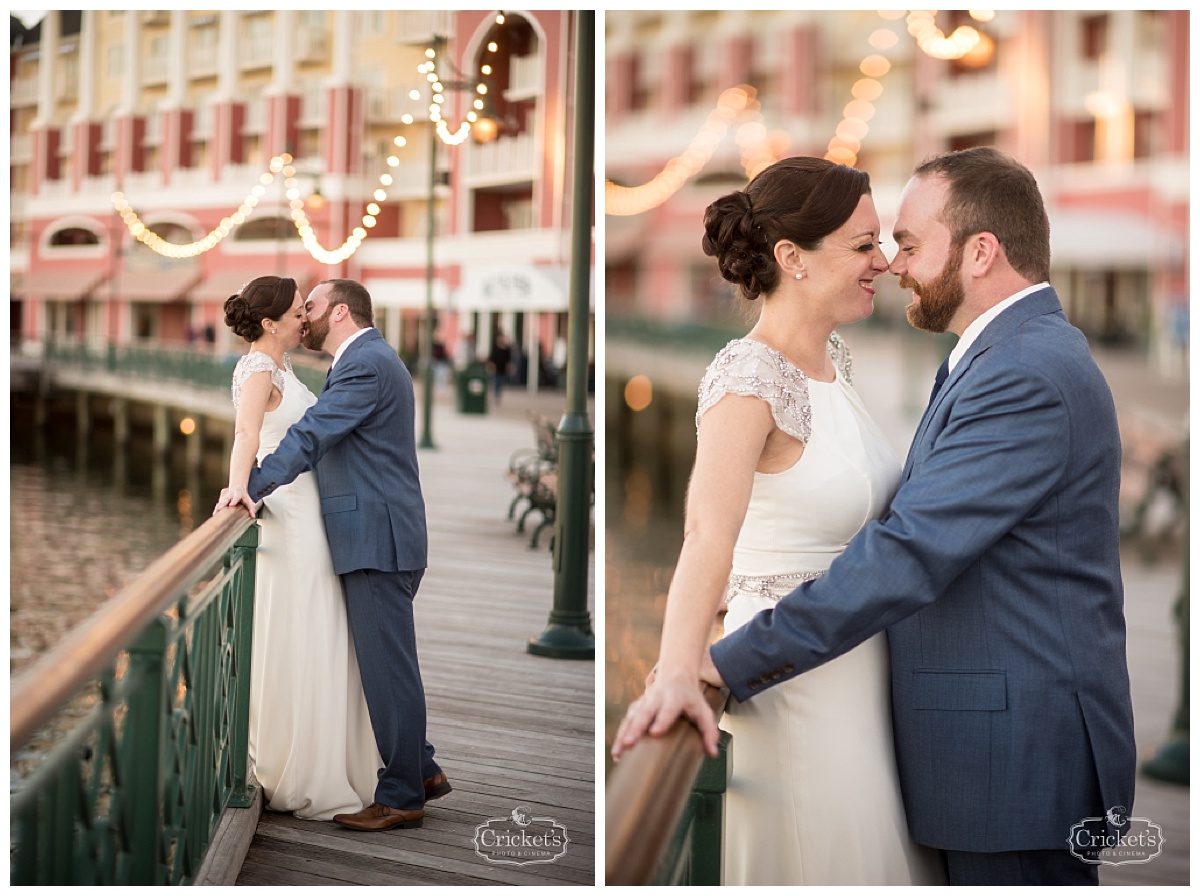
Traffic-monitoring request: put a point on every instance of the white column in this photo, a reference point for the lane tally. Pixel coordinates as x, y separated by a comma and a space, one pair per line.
47, 60
227, 59
177, 50
394, 327
131, 85
283, 66
533, 369
343, 48
86, 108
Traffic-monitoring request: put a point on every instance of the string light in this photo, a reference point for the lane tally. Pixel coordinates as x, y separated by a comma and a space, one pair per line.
429, 69
933, 42
619, 200
143, 234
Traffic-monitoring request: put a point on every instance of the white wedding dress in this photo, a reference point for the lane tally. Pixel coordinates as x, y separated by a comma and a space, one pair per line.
814, 796
311, 742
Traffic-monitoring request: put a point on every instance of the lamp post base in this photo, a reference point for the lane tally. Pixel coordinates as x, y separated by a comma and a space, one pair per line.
562, 642
1172, 762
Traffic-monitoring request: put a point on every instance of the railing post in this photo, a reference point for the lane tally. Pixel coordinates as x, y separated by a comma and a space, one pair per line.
143, 765
244, 552
708, 832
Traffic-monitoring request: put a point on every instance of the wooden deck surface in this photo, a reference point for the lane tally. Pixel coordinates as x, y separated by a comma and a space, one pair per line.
511, 729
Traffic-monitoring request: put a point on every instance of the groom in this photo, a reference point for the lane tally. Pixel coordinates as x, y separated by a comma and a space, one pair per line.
359, 437
996, 570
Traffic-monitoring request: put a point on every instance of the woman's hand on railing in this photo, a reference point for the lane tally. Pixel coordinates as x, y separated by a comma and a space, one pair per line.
665, 700
231, 497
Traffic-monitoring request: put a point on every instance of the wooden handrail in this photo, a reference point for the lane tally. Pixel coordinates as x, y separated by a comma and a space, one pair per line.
40, 690
646, 795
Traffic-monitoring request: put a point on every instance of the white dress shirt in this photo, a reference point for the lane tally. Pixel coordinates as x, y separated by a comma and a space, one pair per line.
971, 333
342, 347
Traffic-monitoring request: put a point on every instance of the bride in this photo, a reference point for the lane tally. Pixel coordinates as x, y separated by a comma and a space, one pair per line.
788, 468
311, 741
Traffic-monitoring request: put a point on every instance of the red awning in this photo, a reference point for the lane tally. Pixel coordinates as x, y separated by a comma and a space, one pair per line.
155, 286
59, 284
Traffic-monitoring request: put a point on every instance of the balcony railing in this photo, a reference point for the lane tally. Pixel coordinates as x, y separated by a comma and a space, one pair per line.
420, 27
21, 148
154, 70
524, 78
256, 117
504, 160
257, 53
23, 92
155, 363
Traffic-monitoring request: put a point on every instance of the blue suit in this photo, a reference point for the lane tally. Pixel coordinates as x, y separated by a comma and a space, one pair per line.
996, 574
359, 438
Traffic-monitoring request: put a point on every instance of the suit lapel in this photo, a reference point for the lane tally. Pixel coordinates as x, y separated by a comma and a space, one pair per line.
371, 333
1044, 301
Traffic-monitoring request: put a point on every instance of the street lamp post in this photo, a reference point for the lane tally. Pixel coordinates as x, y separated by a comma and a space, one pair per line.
427, 336
568, 633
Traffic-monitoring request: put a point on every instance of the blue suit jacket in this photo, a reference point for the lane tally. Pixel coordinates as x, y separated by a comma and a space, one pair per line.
359, 437
996, 573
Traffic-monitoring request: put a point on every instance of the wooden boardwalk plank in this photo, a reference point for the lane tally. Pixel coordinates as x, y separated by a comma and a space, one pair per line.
511, 729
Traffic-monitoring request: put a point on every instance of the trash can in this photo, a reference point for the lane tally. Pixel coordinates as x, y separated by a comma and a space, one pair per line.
473, 389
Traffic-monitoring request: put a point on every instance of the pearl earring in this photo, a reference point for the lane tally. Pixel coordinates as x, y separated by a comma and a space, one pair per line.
799, 276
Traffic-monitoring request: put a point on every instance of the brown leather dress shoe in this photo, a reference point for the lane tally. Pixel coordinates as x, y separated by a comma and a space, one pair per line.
378, 817
436, 786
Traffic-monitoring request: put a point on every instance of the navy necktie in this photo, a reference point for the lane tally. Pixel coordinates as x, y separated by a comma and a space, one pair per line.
939, 380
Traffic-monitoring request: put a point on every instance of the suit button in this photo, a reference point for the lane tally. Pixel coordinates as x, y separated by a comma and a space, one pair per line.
777, 674
789, 669
754, 684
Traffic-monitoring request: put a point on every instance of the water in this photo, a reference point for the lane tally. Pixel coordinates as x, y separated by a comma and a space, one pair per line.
85, 520
643, 535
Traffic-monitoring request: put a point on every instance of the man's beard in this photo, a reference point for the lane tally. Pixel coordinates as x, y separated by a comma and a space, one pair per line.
314, 337
940, 299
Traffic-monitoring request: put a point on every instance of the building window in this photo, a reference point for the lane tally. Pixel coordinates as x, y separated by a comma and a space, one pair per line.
74, 236
968, 141
265, 229
1146, 135
1151, 25
1083, 146
1094, 34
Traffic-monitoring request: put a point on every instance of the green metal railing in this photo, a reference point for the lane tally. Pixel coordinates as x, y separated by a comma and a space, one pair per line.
129, 739
182, 365
664, 818
693, 857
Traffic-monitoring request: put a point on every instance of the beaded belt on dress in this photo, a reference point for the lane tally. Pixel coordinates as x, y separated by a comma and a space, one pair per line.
770, 587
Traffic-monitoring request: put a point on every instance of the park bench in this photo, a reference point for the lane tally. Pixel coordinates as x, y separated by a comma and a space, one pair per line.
533, 473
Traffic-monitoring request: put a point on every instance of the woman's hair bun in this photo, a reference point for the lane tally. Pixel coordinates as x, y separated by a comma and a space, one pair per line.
262, 298
732, 236
239, 318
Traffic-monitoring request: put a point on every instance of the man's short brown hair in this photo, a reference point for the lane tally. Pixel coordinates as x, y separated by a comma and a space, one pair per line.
990, 191
354, 296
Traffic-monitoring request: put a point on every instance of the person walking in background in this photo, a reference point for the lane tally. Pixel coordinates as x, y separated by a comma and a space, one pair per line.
996, 571
499, 363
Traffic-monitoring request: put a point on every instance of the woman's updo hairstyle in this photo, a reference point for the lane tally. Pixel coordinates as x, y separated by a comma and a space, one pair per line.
262, 297
801, 199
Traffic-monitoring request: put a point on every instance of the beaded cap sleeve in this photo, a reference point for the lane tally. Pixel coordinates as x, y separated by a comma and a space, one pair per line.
746, 367
841, 356
256, 362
